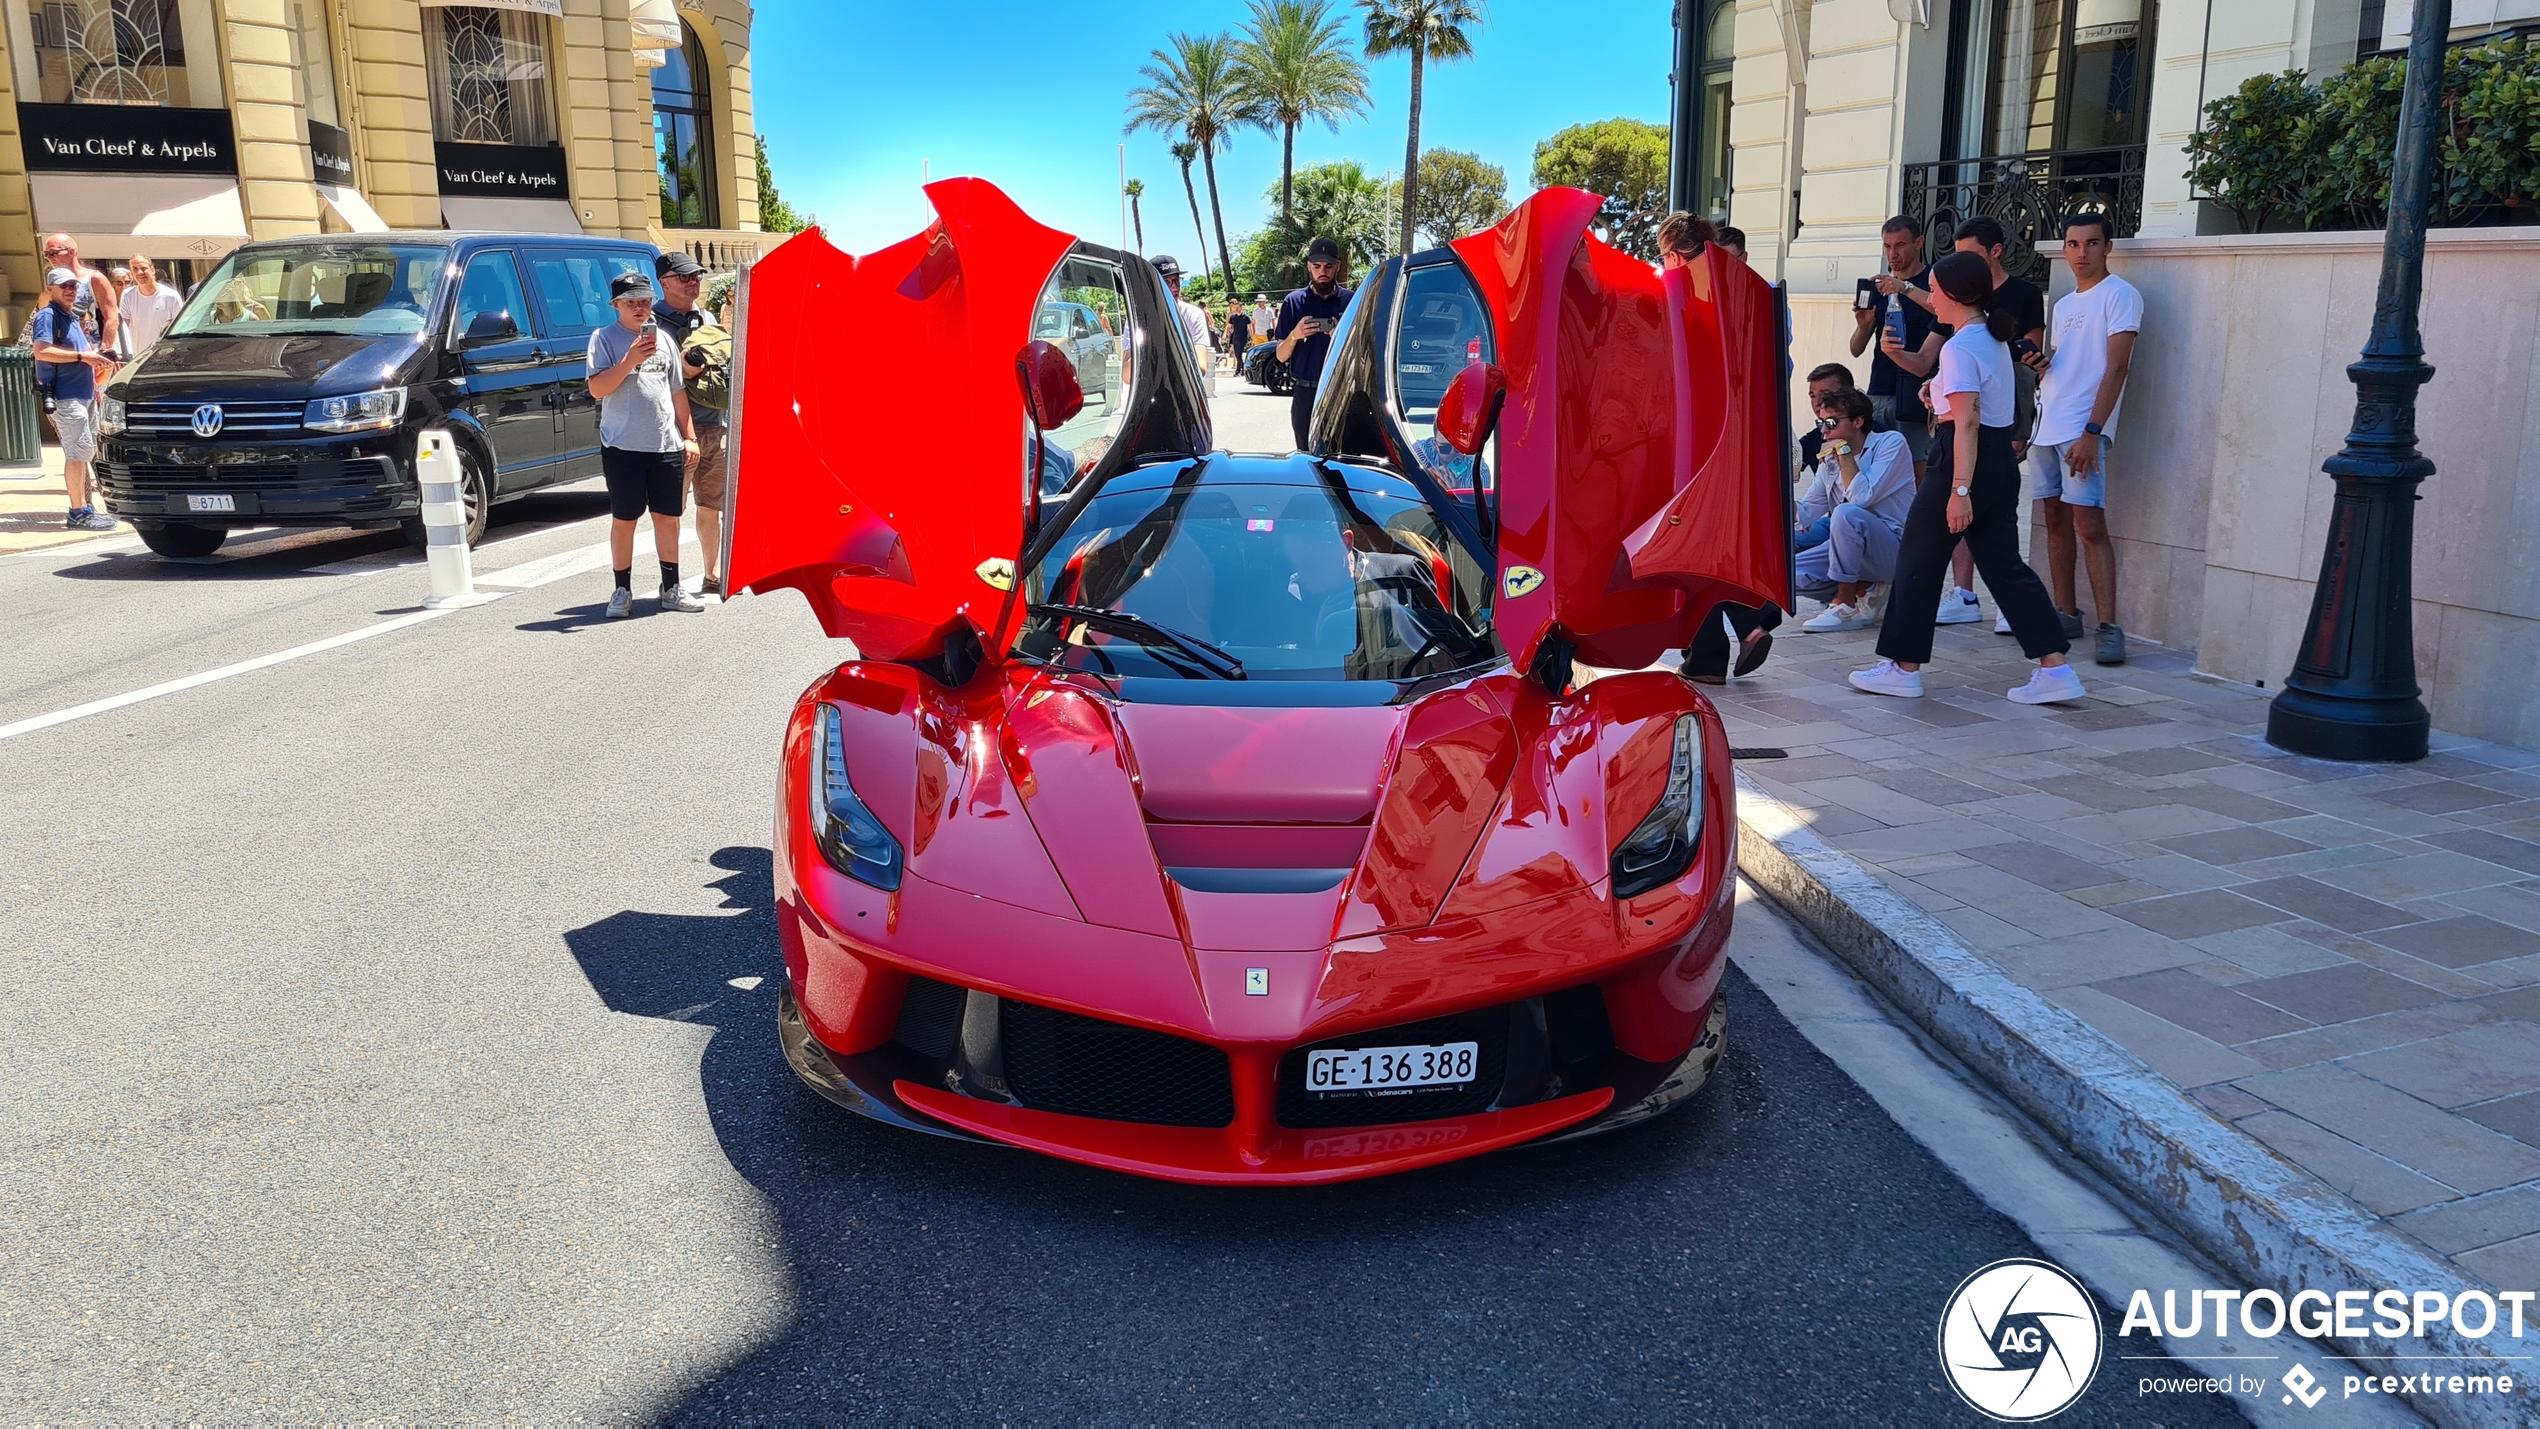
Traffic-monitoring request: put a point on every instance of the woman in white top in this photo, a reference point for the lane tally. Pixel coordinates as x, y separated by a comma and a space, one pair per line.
148, 306
1970, 492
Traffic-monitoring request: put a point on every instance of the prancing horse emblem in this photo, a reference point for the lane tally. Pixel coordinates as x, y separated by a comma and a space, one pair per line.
207, 421
1520, 579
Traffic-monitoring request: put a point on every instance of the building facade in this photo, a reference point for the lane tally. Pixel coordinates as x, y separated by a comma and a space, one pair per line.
178, 129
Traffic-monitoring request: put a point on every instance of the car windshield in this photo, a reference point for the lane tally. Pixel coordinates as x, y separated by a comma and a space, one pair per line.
361, 288
1350, 581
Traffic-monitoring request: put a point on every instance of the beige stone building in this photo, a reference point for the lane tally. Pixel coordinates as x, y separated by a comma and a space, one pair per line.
178, 129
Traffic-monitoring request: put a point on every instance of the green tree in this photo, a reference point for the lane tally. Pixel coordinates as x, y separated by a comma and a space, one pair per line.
1186, 154
1339, 201
1294, 61
1458, 194
774, 214
1623, 161
1193, 91
1425, 30
1136, 189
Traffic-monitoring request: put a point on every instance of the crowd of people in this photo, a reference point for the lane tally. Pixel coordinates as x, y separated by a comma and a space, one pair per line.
91, 322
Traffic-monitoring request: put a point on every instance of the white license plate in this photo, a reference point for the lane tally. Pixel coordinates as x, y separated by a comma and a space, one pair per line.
1386, 1069
218, 501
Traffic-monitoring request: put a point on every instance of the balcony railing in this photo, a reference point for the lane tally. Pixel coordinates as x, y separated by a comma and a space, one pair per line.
2029, 195
719, 249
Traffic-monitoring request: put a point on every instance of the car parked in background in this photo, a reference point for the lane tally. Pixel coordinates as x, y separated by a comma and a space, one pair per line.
1088, 341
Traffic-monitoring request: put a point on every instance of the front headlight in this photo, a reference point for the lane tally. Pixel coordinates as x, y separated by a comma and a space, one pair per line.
850, 838
1662, 848
360, 412
110, 416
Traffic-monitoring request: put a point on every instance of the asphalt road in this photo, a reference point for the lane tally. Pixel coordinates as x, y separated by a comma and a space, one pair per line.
391, 1034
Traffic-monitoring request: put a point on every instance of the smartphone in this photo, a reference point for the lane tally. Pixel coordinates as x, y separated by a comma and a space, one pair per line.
1896, 319
1865, 294
2022, 350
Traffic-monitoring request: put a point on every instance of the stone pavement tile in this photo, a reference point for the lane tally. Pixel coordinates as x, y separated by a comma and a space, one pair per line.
2102, 793
2429, 875
1836, 823
2267, 952
1984, 932
1802, 736
1939, 714
1885, 805
2092, 957
2194, 915
2176, 760
2251, 778
1946, 834
2466, 1224
2048, 915
2326, 863
2342, 993
2521, 784
2490, 846
2175, 872
1787, 708
2522, 1002
2517, 1117
2367, 811
2113, 743
2367, 1034
2101, 691
2125, 891
2518, 904
2509, 1265
1915, 865
1795, 795
2203, 1006
2325, 831
2043, 866
2443, 796
2460, 942
2108, 717
1980, 884
1978, 746
2476, 1064
1930, 900
2040, 808
2497, 756
2229, 846
1930, 786
2221, 973
2321, 903
1814, 766
2229, 1102
2398, 964
2459, 1153
2165, 1047
2158, 822
2516, 973
2234, 803
2380, 1184
2517, 812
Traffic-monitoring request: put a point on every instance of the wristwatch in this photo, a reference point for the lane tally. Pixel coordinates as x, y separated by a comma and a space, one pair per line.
1959, 490
2093, 429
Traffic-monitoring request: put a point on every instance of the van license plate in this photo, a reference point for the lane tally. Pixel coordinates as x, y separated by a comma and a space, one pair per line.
216, 501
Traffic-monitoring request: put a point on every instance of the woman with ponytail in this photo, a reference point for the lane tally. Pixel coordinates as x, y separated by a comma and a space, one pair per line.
1970, 492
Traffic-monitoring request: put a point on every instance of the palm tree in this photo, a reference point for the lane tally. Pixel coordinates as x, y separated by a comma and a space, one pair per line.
1136, 189
1193, 91
1186, 154
1295, 62
1425, 30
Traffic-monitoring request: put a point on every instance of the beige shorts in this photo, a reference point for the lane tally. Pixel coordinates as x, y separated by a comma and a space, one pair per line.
705, 469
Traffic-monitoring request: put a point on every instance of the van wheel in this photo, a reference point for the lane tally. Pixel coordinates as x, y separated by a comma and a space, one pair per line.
183, 540
473, 500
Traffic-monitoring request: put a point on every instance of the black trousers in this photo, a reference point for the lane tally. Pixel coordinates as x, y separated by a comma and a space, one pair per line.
1301, 411
1707, 653
1922, 560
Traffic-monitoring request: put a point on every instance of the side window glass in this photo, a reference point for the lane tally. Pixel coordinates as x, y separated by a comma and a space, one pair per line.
573, 288
490, 299
1444, 326
1083, 286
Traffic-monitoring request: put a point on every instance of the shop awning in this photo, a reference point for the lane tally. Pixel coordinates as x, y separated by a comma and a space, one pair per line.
350, 206
154, 215
656, 25
509, 215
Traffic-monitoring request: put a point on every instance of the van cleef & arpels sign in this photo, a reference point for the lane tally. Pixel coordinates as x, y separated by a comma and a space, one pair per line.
127, 139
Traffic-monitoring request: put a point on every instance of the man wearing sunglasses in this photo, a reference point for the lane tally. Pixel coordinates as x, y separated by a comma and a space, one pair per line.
69, 367
1306, 322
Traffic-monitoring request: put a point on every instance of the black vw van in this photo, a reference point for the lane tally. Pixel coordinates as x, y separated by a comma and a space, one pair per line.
290, 390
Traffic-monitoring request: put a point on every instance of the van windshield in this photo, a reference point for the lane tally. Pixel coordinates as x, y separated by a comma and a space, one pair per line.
357, 288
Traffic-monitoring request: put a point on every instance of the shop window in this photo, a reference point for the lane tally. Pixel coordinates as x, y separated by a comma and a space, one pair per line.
683, 128
489, 76
116, 52
2042, 76
317, 60
1711, 162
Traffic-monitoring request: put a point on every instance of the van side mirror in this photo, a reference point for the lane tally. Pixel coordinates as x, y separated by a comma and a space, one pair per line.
487, 327
1470, 406
1051, 392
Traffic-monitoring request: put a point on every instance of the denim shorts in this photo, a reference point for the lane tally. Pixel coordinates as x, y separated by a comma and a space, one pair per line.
2050, 477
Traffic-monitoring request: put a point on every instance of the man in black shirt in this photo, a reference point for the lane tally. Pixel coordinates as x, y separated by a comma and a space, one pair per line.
1304, 331
1898, 369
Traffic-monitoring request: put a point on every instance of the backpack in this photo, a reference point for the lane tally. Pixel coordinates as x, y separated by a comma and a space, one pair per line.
712, 388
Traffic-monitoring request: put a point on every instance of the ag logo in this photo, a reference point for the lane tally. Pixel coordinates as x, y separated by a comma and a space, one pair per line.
1519, 580
2019, 1340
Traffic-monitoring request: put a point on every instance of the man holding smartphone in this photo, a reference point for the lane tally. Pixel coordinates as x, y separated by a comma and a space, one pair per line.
1908, 348
1304, 332
646, 439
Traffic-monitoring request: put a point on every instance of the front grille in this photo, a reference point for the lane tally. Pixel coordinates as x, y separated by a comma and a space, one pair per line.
1058, 1061
242, 419
145, 478
1488, 1026
930, 1018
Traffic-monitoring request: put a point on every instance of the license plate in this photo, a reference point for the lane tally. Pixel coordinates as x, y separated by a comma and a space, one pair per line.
217, 501
1387, 1069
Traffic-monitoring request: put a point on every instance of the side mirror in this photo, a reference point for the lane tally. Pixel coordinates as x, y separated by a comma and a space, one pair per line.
1471, 406
1050, 390
490, 327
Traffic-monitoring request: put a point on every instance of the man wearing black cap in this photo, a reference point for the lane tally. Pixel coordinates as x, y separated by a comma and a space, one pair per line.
646, 440
1304, 332
1194, 319
682, 278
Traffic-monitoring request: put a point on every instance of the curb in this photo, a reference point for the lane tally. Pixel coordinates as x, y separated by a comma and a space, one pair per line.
2258, 1215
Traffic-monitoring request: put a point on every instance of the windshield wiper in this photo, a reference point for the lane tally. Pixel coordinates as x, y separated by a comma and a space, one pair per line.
1210, 658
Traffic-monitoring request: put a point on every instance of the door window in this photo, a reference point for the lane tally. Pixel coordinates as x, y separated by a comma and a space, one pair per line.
1444, 327
1084, 284
573, 288
491, 285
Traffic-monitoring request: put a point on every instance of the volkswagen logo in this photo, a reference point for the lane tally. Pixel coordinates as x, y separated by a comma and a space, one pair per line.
207, 421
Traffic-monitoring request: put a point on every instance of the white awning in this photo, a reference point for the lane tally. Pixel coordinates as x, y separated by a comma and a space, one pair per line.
656, 25
534, 7
509, 215
350, 206
155, 215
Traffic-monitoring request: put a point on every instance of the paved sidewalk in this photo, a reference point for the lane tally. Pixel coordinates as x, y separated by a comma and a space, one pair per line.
32, 501
2341, 960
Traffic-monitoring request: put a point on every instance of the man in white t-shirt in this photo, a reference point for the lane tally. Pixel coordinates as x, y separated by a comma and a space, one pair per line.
148, 306
1194, 319
2094, 330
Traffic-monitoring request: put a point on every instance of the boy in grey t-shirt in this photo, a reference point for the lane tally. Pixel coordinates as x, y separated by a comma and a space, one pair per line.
646, 440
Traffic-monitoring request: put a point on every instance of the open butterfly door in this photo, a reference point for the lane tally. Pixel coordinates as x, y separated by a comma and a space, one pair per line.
1640, 455
879, 428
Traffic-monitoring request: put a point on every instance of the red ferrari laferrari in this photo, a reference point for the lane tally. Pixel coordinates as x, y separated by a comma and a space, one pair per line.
1248, 818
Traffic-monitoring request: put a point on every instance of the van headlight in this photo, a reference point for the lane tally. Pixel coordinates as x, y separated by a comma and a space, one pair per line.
360, 412
110, 416
850, 837
1662, 847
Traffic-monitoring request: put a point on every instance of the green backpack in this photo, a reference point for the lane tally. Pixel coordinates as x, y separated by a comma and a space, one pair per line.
712, 388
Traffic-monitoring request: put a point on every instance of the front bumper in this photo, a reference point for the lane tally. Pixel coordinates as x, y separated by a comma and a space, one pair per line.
364, 480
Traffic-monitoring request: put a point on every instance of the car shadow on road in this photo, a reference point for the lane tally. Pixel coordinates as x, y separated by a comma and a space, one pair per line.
1777, 1249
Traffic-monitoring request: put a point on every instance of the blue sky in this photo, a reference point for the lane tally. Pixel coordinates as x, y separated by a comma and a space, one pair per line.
853, 97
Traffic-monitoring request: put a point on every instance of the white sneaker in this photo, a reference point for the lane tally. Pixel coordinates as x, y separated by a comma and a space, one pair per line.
1884, 678
1958, 607
2001, 625
2045, 687
1837, 617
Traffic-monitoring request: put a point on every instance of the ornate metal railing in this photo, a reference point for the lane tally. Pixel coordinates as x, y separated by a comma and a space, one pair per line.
2028, 194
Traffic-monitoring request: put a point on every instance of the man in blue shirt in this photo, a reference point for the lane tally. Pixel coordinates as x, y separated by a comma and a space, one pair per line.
68, 367
1304, 332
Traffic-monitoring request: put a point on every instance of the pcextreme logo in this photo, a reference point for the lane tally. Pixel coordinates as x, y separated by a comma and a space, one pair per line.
2020, 1340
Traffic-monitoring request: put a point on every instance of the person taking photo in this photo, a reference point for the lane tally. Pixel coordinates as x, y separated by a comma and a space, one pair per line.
1304, 330
647, 438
